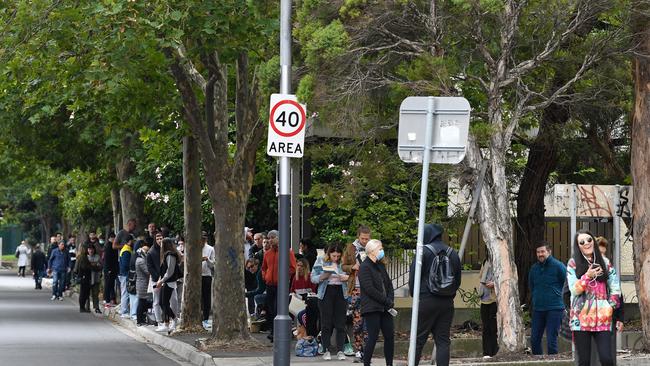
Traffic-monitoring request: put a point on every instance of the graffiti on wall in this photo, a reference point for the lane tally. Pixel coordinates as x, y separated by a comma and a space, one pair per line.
592, 201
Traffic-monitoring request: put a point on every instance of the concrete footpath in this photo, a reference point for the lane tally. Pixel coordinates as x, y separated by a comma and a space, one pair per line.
183, 347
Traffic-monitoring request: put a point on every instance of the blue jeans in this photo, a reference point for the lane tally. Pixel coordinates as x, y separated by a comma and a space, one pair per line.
133, 300
550, 322
58, 283
124, 295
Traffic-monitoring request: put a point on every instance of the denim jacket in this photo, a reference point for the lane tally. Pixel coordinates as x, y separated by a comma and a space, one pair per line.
322, 286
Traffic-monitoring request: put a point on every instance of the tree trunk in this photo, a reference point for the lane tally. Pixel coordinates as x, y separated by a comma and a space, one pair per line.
117, 209
191, 305
640, 164
228, 304
131, 203
542, 160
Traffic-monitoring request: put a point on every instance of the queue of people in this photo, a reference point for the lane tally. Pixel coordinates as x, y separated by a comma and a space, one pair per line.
346, 281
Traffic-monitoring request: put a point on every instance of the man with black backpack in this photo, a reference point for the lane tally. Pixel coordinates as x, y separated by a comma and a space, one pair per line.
441, 272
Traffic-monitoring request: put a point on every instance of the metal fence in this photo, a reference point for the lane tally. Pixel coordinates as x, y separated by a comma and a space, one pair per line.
557, 233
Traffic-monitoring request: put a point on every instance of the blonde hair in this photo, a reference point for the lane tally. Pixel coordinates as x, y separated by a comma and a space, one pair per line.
306, 269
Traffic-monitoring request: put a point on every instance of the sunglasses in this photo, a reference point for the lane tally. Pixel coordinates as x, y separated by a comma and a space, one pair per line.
589, 240
249, 267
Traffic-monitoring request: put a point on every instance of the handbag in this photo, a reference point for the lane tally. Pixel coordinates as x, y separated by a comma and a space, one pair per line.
307, 347
296, 305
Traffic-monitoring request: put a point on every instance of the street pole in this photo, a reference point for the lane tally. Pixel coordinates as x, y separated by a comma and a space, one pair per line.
617, 257
282, 321
573, 213
421, 218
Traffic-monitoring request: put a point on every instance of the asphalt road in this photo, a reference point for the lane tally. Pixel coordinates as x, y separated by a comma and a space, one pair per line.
39, 332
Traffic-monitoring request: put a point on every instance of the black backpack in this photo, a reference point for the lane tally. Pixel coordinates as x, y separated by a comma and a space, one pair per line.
130, 283
441, 278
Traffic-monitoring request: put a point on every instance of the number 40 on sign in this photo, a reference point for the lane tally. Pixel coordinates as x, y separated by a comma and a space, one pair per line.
287, 120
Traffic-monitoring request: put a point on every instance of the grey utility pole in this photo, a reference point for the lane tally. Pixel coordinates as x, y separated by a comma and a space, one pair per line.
282, 321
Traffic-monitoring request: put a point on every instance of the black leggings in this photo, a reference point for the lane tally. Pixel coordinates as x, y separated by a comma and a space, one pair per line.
143, 305
166, 303
603, 341
374, 322
21, 271
333, 308
489, 321
206, 295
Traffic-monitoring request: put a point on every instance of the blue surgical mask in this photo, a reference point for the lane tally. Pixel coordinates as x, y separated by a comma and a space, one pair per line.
380, 255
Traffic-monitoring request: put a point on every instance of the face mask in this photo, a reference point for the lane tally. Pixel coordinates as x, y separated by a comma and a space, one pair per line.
380, 255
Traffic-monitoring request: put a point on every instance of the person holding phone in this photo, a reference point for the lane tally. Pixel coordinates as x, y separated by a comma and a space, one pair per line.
595, 294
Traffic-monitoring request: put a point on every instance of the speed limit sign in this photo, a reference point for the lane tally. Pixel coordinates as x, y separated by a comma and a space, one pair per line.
287, 121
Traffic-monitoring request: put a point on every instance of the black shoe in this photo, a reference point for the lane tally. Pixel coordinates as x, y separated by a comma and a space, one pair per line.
98, 311
270, 337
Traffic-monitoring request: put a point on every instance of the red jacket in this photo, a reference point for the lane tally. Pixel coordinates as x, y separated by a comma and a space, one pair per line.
270, 266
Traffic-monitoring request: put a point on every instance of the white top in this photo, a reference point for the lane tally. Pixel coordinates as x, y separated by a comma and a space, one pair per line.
207, 251
23, 251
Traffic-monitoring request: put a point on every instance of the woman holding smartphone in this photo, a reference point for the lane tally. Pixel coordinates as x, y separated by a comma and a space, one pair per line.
595, 294
332, 298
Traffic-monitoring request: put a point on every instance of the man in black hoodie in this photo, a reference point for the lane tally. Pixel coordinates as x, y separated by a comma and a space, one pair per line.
435, 311
153, 266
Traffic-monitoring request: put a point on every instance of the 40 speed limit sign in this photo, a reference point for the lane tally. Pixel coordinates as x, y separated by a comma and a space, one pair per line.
287, 121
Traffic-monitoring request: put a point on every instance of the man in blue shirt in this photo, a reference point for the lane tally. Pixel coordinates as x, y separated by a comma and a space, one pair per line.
546, 281
58, 266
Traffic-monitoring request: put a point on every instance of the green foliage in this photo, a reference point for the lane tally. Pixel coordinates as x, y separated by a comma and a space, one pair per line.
326, 44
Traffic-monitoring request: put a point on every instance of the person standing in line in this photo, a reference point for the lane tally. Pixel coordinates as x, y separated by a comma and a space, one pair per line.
58, 266
94, 241
308, 251
436, 306
595, 294
153, 266
54, 245
39, 266
546, 281
354, 255
488, 309
142, 285
125, 259
71, 245
207, 270
111, 269
270, 273
332, 295
618, 313
22, 253
88, 268
258, 245
150, 234
377, 299
170, 271
249, 243
122, 237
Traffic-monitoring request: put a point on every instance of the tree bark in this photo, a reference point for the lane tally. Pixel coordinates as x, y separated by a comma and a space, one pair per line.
117, 208
542, 160
229, 178
640, 164
191, 304
131, 203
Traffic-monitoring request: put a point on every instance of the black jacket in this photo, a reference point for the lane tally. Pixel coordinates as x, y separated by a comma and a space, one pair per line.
433, 236
39, 263
153, 262
376, 287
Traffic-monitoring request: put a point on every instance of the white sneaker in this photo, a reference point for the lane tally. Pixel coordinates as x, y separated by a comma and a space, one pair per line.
172, 324
206, 325
486, 357
60, 298
327, 356
341, 356
53, 297
125, 316
162, 328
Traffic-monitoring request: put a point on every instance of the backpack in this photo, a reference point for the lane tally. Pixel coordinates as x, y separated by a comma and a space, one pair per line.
130, 283
441, 274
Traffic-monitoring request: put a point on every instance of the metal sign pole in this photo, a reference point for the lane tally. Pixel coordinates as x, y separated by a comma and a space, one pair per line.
421, 219
616, 254
282, 321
